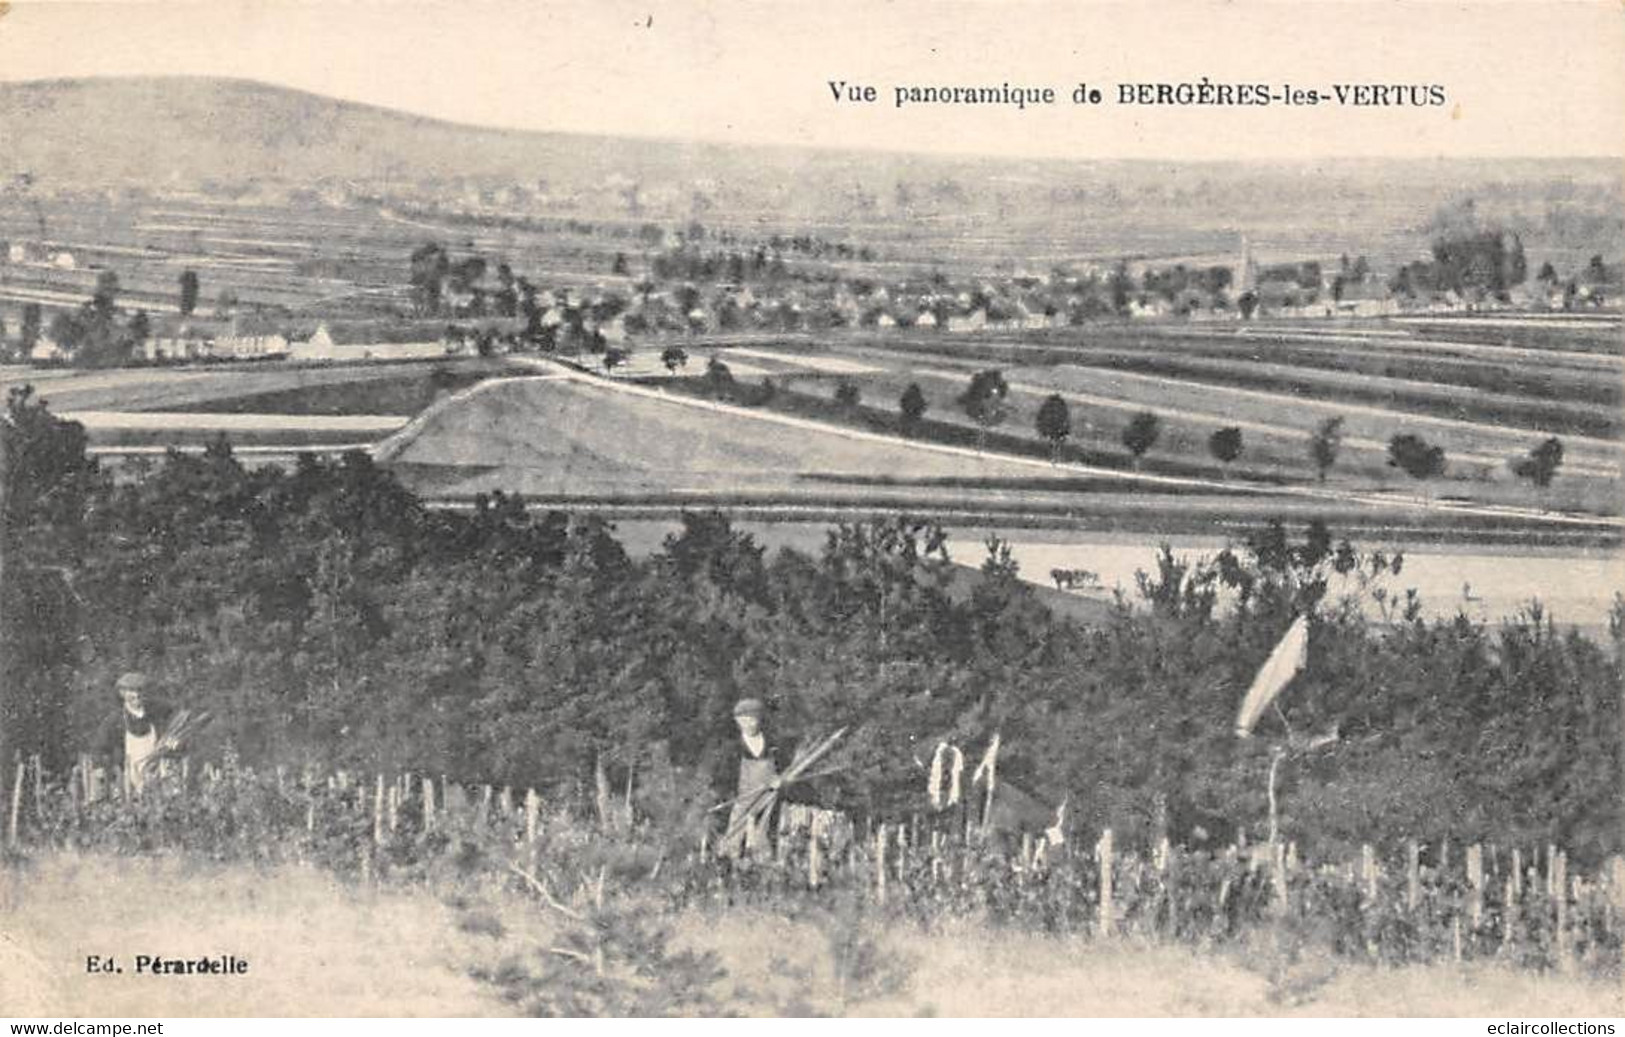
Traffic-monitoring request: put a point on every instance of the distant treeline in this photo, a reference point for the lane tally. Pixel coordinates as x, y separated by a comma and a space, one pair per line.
326, 615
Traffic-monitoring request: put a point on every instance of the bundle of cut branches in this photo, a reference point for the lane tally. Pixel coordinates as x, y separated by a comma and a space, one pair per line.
183, 727
759, 801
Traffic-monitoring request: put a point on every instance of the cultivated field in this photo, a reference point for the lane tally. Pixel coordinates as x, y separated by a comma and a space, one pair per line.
1277, 386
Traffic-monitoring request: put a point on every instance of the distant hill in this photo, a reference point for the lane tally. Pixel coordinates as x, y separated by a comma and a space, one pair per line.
167, 129
184, 132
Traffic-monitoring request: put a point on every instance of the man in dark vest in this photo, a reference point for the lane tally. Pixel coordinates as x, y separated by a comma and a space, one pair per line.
128, 739
761, 761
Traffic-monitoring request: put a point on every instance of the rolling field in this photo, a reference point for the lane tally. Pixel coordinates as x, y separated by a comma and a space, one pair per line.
550, 435
572, 439
1277, 394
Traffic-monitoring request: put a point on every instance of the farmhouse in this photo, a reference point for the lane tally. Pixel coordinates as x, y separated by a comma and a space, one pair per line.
46, 349
333, 341
241, 338
1366, 299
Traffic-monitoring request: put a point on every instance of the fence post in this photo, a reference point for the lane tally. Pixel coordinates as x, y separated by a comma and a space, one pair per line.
1278, 868
428, 804
16, 802
1560, 895
1165, 866
378, 813
1413, 875
1475, 885
812, 856
880, 863
1103, 852
533, 809
533, 805
1509, 912
39, 788
485, 805
1368, 872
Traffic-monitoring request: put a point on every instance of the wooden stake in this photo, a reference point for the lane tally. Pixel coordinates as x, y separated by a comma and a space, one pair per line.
880, 864
1105, 856
378, 813
533, 805
1475, 884
1368, 871
1560, 897
812, 856
16, 803
1509, 914
1413, 875
1278, 867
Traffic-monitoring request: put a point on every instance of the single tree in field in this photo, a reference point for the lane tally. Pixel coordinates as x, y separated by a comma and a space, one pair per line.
912, 406
1541, 464
105, 299
1413, 455
984, 401
613, 358
848, 395
719, 379
674, 357
189, 291
1225, 445
1324, 445
29, 330
1141, 434
138, 330
1054, 424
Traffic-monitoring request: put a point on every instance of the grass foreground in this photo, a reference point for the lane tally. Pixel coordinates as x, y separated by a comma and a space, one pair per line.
319, 946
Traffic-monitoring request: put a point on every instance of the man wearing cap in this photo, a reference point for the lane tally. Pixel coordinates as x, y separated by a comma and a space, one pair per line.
129, 739
760, 763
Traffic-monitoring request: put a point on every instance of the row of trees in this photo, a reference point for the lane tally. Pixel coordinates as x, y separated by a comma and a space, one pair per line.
324, 614
985, 402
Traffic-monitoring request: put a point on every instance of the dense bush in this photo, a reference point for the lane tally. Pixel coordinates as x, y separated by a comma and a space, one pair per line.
324, 616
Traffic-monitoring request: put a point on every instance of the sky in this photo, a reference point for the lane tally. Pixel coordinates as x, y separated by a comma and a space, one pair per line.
1521, 77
